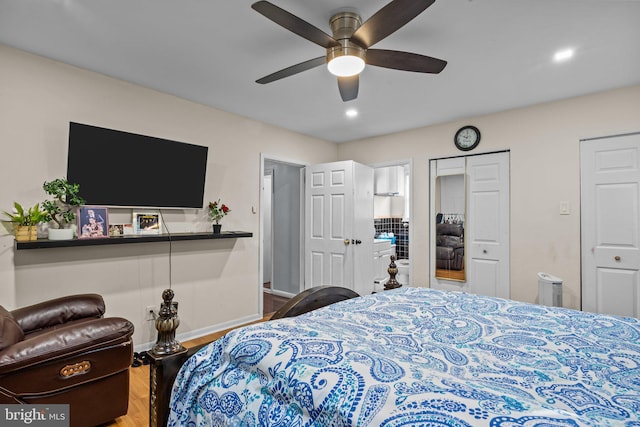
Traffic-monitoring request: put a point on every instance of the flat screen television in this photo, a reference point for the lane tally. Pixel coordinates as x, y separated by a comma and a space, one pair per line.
116, 168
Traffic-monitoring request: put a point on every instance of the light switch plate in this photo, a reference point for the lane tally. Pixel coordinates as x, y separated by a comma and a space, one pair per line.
565, 208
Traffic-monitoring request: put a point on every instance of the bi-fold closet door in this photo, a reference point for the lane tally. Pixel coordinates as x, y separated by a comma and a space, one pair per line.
610, 224
472, 191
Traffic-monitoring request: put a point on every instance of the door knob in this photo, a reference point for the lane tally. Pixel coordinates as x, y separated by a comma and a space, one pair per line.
617, 258
484, 251
346, 242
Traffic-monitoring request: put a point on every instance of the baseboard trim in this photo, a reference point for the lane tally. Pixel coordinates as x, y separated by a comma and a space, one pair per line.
197, 333
278, 293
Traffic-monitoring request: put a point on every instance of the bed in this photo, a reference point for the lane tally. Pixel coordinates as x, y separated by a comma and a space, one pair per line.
415, 356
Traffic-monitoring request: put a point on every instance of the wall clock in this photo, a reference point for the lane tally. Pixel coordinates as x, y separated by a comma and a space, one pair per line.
467, 138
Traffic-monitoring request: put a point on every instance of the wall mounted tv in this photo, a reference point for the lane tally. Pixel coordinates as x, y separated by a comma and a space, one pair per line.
116, 168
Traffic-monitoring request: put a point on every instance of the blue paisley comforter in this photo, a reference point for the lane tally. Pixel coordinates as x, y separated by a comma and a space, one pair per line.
418, 357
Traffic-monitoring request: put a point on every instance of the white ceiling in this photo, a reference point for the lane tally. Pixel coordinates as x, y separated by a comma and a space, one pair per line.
499, 55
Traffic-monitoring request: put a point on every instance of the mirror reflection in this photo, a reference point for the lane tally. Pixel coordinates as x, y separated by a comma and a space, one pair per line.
450, 221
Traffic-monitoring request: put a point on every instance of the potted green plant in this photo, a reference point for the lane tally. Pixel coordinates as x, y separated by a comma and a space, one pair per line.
25, 221
61, 210
217, 211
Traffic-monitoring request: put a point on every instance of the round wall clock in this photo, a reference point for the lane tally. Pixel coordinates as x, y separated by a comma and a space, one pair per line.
467, 138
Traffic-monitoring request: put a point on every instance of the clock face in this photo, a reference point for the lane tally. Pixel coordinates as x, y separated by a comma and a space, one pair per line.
467, 138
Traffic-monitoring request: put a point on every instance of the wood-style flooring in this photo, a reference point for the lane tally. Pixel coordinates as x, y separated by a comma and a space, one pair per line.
138, 415
451, 274
271, 303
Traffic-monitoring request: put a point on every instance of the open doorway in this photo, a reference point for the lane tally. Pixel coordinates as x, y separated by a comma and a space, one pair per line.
392, 212
282, 222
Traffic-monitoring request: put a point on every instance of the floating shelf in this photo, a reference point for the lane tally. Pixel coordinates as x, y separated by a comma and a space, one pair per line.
136, 238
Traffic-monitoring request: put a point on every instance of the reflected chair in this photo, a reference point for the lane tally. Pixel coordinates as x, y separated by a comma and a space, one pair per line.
450, 246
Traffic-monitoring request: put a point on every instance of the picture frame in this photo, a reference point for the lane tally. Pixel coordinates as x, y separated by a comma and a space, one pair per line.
116, 230
121, 229
147, 222
93, 222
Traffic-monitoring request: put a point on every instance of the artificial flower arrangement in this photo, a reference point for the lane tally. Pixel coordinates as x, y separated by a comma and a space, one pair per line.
217, 211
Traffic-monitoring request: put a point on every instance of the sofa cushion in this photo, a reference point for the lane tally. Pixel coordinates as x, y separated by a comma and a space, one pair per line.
10, 331
451, 241
450, 229
59, 311
65, 341
444, 252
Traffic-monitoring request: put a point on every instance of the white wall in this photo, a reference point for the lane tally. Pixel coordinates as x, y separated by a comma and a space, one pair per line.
215, 281
544, 143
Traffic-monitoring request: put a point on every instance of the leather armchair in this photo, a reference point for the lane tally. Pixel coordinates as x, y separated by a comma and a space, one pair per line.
65, 351
450, 246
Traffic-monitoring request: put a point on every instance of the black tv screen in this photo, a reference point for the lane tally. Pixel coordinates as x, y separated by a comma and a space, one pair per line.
116, 168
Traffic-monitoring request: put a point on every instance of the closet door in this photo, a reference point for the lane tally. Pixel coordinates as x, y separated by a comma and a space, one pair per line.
447, 224
610, 215
487, 228
486, 223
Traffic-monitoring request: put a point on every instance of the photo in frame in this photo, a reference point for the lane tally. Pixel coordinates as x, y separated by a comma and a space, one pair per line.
121, 229
93, 222
147, 222
116, 230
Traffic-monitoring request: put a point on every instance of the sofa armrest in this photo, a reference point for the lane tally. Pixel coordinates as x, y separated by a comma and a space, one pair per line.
77, 337
58, 311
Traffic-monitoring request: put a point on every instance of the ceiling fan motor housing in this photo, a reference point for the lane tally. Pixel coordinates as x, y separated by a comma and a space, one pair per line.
343, 25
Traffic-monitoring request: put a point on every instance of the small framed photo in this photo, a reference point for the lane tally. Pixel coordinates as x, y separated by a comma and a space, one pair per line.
116, 230
93, 222
147, 223
121, 229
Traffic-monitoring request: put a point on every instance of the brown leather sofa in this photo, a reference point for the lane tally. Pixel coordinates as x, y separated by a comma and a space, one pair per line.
65, 351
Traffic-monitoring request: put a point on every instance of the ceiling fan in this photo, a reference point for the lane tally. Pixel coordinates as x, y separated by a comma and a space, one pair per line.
348, 50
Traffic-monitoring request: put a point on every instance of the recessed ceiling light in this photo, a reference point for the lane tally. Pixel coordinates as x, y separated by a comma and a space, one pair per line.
563, 55
352, 112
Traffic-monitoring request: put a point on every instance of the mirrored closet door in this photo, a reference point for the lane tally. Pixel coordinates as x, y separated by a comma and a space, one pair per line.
469, 224
449, 208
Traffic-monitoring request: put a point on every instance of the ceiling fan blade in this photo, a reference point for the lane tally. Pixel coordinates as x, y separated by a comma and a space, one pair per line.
294, 24
405, 61
294, 69
388, 20
348, 87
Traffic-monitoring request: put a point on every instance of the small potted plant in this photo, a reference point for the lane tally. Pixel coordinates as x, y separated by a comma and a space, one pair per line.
60, 211
25, 221
217, 211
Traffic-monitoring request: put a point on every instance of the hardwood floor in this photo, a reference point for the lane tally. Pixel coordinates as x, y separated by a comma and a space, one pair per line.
451, 274
138, 414
271, 303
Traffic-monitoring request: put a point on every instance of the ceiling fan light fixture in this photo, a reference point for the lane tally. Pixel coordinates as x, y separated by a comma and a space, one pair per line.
348, 48
345, 61
346, 66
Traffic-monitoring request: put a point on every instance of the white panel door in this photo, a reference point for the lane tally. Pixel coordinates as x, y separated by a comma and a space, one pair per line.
362, 229
487, 224
267, 227
610, 217
336, 217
